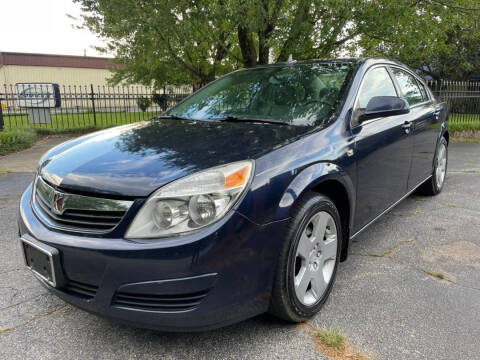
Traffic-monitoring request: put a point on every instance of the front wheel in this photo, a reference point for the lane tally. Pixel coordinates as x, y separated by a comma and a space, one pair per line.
309, 259
434, 185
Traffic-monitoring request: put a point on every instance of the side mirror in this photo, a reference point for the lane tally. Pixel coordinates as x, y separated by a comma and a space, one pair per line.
382, 106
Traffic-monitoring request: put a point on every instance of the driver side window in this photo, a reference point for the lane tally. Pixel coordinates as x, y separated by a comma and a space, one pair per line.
377, 82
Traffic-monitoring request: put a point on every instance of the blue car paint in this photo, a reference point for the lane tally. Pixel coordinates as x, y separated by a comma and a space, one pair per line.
132, 161
234, 258
234, 249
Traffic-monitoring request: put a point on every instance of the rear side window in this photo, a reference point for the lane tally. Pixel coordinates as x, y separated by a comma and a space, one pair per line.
409, 86
377, 82
423, 91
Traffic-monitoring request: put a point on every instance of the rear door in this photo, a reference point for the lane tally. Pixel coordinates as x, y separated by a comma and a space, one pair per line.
425, 125
383, 151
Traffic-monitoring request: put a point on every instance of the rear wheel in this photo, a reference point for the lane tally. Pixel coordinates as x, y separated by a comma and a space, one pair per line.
434, 185
309, 259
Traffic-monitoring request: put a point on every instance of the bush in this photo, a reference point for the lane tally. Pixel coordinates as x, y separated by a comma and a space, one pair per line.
161, 100
16, 139
143, 103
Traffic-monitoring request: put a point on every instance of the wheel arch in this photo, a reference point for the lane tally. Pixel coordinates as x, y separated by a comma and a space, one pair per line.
446, 135
330, 180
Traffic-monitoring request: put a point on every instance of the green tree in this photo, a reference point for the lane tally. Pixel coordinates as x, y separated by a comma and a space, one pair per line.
163, 41
178, 41
439, 38
193, 41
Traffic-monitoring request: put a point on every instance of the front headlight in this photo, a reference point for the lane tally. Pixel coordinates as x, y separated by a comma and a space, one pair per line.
192, 202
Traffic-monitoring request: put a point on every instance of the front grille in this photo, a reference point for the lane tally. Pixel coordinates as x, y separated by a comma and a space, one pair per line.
82, 290
180, 302
78, 213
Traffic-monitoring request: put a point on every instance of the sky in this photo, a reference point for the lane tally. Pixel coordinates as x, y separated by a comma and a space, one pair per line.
42, 26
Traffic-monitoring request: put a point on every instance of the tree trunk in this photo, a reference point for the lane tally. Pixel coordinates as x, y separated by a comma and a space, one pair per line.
247, 46
300, 17
265, 33
263, 49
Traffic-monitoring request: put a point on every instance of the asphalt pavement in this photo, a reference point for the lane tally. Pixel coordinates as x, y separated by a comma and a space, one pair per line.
410, 289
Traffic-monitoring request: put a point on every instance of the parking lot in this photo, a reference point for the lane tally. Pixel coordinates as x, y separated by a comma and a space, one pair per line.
410, 289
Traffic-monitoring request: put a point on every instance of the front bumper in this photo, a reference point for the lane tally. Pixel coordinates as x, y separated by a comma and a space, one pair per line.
215, 277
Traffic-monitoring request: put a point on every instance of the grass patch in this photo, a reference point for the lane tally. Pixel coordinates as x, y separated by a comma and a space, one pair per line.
20, 134
464, 139
16, 139
463, 122
383, 254
62, 123
4, 330
332, 343
4, 172
419, 198
332, 338
435, 274
456, 127
471, 171
465, 127
418, 212
74, 131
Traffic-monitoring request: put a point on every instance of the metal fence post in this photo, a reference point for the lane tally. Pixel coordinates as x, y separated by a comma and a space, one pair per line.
92, 96
2, 124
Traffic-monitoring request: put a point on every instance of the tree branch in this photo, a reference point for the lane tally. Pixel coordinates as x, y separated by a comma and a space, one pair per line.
179, 58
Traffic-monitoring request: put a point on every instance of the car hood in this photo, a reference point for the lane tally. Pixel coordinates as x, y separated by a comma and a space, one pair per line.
134, 160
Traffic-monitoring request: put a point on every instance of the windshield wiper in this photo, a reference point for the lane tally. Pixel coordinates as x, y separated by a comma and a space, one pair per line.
253, 120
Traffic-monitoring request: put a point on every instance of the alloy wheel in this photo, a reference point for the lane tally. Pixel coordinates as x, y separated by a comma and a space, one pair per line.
315, 258
441, 166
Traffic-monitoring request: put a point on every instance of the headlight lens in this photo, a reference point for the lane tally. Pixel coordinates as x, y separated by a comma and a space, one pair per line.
192, 202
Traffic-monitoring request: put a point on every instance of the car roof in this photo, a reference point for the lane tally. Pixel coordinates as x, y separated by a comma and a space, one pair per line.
353, 61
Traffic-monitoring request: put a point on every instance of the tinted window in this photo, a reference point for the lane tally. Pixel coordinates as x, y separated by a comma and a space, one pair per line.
306, 94
377, 83
409, 86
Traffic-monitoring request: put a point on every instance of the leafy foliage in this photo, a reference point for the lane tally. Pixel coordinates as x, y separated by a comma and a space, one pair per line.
143, 103
162, 42
439, 38
161, 100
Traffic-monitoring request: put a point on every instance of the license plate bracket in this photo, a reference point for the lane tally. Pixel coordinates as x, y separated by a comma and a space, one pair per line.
42, 260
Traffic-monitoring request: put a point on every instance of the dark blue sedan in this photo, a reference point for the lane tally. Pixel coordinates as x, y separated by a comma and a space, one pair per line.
242, 199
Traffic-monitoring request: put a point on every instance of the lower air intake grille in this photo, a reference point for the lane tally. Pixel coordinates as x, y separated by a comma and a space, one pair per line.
162, 303
85, 291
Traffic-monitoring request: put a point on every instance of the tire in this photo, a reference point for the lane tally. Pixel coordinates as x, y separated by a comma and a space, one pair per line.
434, 185
306, 254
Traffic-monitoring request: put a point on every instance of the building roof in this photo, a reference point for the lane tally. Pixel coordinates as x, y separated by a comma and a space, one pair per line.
71, 61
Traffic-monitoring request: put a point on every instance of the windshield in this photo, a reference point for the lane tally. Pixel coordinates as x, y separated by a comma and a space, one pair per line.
302, 94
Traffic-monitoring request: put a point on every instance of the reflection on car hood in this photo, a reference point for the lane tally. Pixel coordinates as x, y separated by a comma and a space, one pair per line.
134, 160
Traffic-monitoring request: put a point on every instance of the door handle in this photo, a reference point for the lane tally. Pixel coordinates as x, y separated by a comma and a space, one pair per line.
436, 113
407, 126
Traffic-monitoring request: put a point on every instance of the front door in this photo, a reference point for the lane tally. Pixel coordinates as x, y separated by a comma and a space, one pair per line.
383, 148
